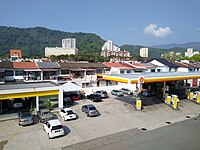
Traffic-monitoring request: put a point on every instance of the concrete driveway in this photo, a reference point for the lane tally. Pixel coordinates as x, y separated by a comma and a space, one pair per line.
116, 116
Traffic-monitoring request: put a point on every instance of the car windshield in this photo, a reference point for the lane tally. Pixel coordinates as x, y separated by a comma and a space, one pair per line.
104, 92
70, 112
92, 108
57, 127
45, 113
24, 115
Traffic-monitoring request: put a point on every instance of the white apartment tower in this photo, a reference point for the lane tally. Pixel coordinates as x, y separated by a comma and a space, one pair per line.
69, 43
144, 52
109, 46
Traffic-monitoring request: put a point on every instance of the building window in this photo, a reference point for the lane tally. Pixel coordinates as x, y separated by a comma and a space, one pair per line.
158, 70
128, 71
19, 72
121, 71
99, 71
9, 73
153, 70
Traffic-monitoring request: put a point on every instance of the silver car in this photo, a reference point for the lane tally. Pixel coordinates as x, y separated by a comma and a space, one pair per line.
102, 93
90, 110
25, 118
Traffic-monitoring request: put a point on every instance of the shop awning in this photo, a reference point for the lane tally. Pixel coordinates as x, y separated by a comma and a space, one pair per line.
70, 87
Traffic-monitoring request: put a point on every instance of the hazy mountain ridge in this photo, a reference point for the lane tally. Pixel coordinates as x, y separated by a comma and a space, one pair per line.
195, 45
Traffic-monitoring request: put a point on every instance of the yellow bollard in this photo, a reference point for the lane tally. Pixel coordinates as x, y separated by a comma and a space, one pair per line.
191, 95
138, 104
175, 102
198, 98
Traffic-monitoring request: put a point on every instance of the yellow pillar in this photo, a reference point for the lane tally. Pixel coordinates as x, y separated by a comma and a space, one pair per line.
198, 98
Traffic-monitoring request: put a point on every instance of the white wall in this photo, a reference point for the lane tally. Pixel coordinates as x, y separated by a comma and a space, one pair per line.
59, 51
181, 69
108, 89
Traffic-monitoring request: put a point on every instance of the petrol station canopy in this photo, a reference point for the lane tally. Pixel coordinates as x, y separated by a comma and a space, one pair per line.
151, 77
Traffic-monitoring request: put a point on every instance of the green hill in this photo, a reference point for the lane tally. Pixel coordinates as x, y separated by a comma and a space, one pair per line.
32, 41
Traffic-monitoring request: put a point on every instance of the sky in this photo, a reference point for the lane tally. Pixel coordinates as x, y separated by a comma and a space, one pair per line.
133, 22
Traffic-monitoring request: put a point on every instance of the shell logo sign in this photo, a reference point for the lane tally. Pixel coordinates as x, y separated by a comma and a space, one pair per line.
141, 80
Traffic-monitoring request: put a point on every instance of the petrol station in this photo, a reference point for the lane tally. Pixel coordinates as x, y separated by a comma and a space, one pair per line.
164, 83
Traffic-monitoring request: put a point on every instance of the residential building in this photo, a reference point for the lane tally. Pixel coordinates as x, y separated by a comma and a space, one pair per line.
190, 52
15, 55
119, 68
111, 50
68, 48
187, 66
144, 52
84, 74
69, 43
163, 65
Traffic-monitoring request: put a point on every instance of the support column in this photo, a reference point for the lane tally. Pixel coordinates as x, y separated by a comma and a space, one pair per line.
41, 76
37, 103
164, 87
60, 99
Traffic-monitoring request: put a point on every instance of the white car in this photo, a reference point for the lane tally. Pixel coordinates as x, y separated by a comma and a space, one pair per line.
53, 128
67, 114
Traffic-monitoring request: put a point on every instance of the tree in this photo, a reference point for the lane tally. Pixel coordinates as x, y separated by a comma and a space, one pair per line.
195, 57
53, 58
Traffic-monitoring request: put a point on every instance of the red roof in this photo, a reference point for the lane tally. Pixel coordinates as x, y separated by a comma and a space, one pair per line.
25, 65
118, 65
14, 52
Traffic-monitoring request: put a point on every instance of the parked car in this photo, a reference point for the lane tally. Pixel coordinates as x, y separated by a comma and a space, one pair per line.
90, 110
126, 91
117, 93
44, 115
147, 93
25, 118
75, 96
95, 97
102, 93
53, 128
67, 114
18, 103
67, 101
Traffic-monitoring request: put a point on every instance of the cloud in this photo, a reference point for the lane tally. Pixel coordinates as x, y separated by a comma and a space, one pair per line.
152, 30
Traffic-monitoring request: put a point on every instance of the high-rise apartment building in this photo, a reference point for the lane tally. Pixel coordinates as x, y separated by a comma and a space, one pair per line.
144, 52
69, 43
109, 49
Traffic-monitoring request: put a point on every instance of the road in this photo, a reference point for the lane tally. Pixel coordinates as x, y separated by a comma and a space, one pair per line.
178, 136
